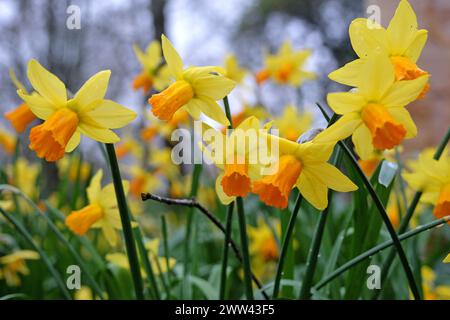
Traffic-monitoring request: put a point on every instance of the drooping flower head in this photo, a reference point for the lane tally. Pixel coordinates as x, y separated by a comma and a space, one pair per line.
102, 211
66, 119
374, 113
154, 73
402, 42
196, 89
286, 66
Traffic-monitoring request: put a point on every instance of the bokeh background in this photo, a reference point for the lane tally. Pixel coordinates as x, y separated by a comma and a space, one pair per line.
204, 31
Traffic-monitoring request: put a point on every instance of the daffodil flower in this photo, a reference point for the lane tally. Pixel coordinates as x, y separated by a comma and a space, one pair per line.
102, 211
402, 42
154, 72
431, 291
21, 116
233, 70
143, 181
11, 265
195, 90
286, 67
7, 141
66, 119
292, 123
447, 259
374, 113
305, 167
432, 178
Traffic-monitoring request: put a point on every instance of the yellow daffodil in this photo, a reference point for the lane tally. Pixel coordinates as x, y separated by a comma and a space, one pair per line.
70, 167
195, 90
84, 293
303, 166
233, 70
154, 72
402, 42
25, 177
286, 67
163, 128
7, 141
66, 119
374, 114
431, 291
432, 178
13, 264
292, 123
128, 145
21, 116
102, 211
143, 181
161, 159
246, 112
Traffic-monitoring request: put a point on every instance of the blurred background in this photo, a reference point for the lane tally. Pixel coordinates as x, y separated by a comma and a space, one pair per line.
204, 31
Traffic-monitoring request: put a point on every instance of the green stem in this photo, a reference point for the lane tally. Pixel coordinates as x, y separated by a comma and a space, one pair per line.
43, 256
166, 246
126, 223
228, 228
285, 245
385, 218
378, 249
409, 213
244, 245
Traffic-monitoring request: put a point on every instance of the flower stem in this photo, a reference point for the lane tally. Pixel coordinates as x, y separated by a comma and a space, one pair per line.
228, 228
244, 245
126, 222
409, 213
285, 245
346, 266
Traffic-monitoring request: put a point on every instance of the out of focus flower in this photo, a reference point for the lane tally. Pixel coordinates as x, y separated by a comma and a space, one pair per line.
21, 116
66, 119
102, 211
195, 90
7, 141
143, 181
84, 293
154, 72
304, 166
286, 67
447, 259
431, 291
374, 114
432, 178
128, 145
402, 42
292, 123
13, 264
25, 177
233, 70
161, 159
71, 168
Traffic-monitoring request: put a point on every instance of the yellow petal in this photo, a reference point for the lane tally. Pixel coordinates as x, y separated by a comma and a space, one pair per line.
172, 57
38, 105
313, 190
404, 92
98, 133
93, 191
194, 108
447, 259
110, 114
348, 74
402, 28
345, 102
416, 47
223, 197
366, 37
73, 142
213, 86
19, 85
342, 129
402, 116
376, 77
93, 90
212, 110
362, 139
47, 84
110, 234
332, 177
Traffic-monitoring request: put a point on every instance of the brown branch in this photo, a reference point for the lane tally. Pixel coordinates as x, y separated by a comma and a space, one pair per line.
195, 204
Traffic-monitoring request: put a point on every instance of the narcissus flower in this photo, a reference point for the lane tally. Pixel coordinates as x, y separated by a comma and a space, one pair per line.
21, 116
233, 70
431, 291
286, 66
13, 264
7, 141
293, 123
374, 114
432, 178
143, 181
195, 90
303, 166
66, 119
402, 42
102, 211
154, 73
